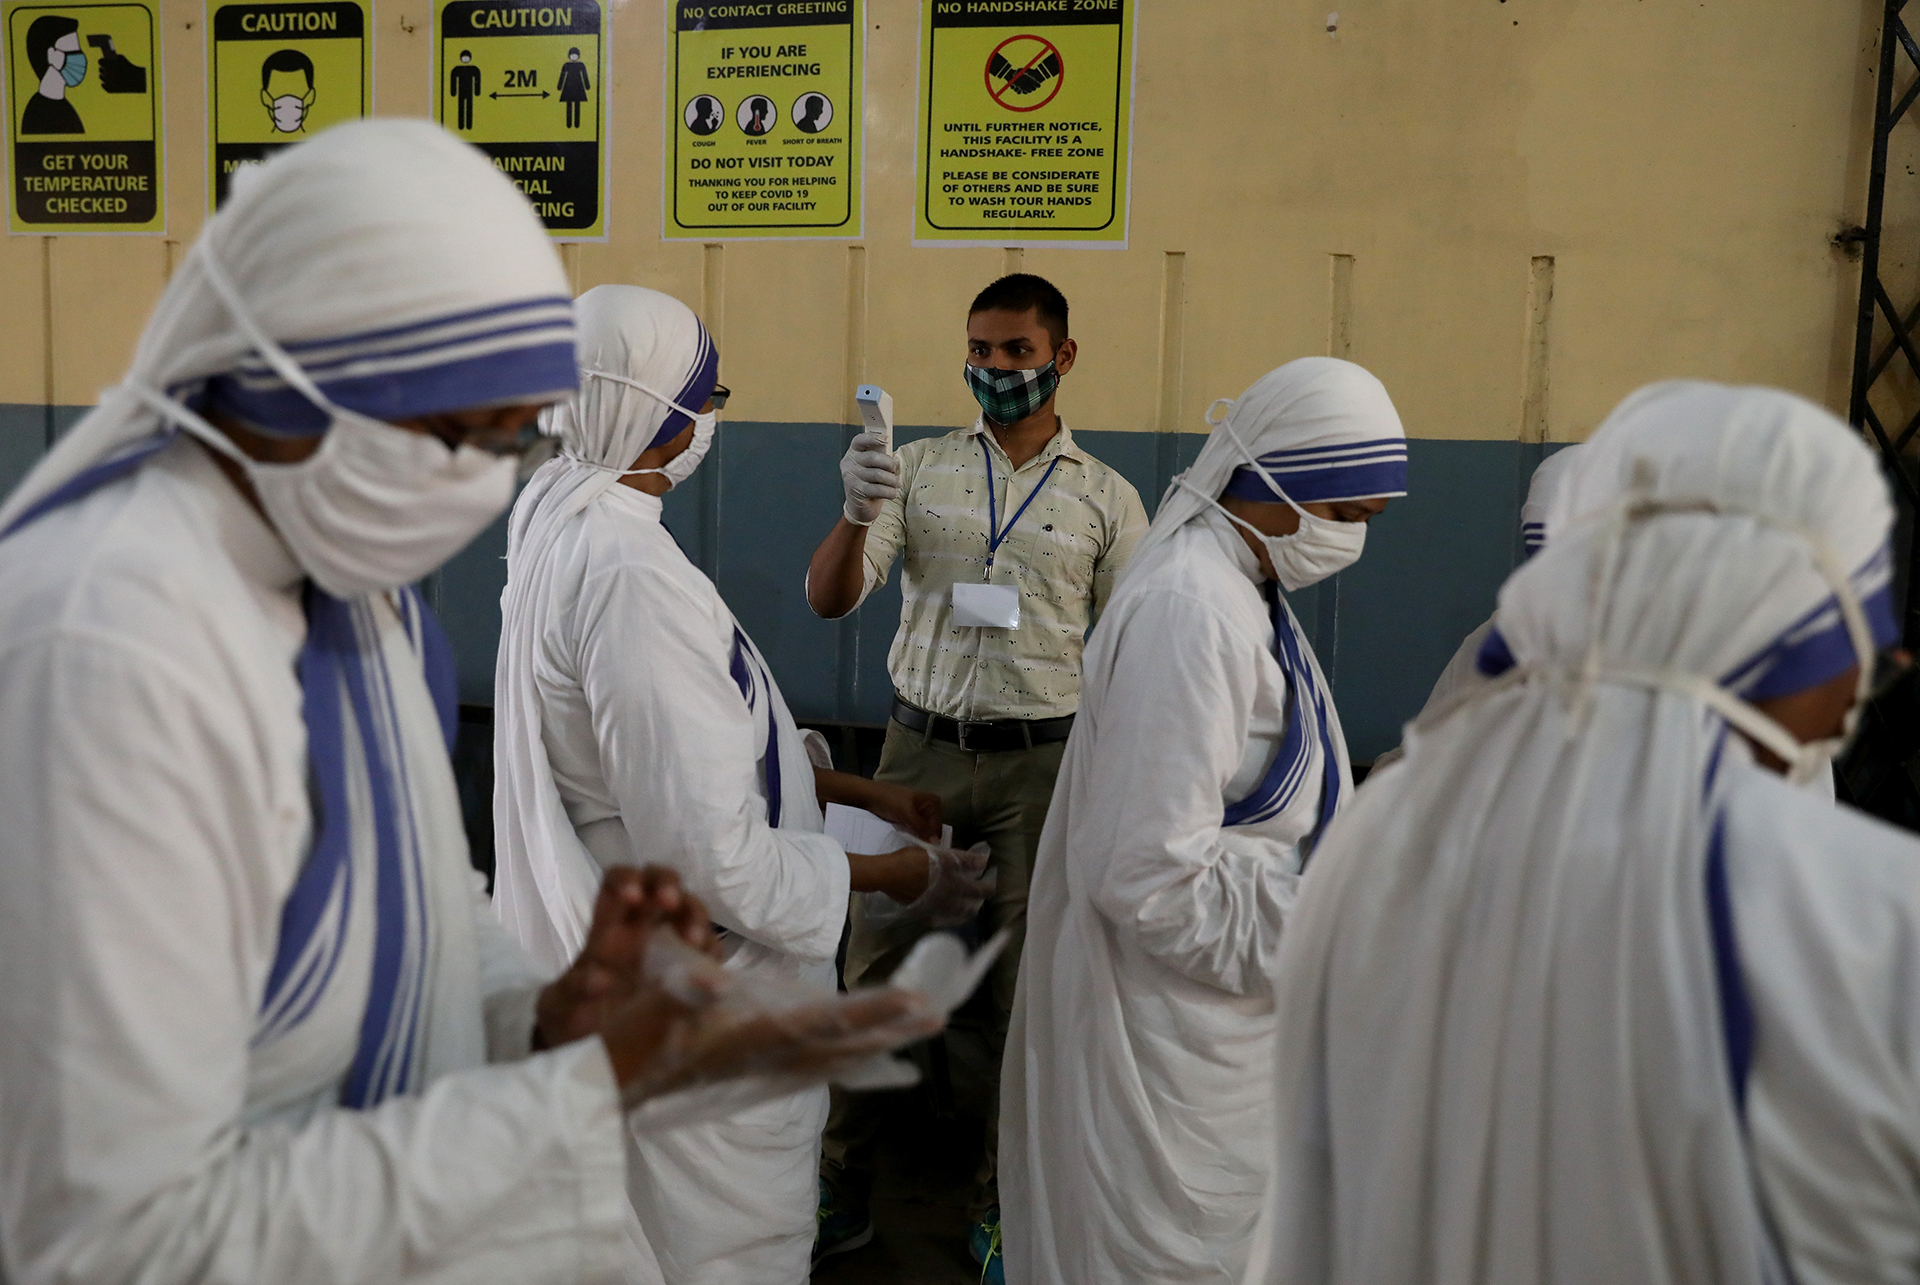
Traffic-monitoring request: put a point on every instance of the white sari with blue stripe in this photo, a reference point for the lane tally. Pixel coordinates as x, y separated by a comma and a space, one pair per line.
253, 990
237, 971
357, 929
1136, 1127
1578, 991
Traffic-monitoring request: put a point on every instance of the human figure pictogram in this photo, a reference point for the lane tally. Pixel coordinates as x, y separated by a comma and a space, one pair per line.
53, 51
463, 82
573, 86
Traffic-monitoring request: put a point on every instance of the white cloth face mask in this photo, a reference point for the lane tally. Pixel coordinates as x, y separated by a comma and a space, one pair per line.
1319, 547
680, 467
376, 506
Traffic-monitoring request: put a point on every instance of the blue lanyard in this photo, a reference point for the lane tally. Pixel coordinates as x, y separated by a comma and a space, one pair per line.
996, 536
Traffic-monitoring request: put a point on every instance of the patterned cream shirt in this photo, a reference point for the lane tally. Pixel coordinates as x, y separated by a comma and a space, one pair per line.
1063, 555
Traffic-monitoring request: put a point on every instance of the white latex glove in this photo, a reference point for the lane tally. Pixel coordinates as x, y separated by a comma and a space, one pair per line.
871, 476
737, 1039
957, 883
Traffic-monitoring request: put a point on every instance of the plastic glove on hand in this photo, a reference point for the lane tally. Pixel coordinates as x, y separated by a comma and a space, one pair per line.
750, 1038
938, 968
871, 476
772, 1034
633, 905
958, 882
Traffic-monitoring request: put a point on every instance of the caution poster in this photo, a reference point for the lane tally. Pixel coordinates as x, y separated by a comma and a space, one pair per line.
1024, 121
278, 73
764, 119
83, 117
527, 84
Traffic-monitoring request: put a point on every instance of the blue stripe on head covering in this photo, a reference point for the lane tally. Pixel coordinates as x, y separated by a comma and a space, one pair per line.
1818, 648
1324, 474
694, 393
1813, 650
1534, 534
521, 351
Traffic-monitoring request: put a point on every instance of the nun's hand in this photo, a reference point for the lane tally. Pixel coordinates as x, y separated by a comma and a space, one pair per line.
696, 1023
871, 476
633, 904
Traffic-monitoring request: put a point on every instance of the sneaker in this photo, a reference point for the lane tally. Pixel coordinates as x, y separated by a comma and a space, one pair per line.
984, 1244
837, 1231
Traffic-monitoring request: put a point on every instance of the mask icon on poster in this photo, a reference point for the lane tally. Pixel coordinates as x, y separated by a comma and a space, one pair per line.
573, 86
286, 90
53, 52
463, 83
757, 115
705, 115
812, 113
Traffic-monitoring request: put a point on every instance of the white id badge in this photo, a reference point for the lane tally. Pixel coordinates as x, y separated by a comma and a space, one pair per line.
986, 606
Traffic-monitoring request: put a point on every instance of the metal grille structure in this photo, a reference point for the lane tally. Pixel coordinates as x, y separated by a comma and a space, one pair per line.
1881, 773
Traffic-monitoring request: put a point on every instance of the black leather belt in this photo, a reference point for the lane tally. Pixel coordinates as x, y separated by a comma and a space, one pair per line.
984, 736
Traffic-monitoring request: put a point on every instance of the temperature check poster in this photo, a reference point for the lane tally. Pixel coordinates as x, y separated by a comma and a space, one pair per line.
526, 84
1025, 114
83, 117
764, 118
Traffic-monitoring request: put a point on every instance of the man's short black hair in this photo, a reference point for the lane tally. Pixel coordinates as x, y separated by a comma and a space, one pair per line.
1024, 292
47, 31
288, 60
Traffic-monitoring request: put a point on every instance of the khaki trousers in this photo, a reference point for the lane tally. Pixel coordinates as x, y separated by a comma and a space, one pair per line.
1000, 797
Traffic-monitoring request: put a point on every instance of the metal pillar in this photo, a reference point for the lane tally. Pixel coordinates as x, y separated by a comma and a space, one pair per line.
1881, 773
1868, 366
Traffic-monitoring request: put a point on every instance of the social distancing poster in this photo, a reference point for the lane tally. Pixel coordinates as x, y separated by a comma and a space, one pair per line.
1025, 108
526, 83
83, 117
278, 73
764, 120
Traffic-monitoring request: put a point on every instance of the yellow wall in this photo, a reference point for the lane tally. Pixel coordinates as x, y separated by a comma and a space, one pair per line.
1682, 162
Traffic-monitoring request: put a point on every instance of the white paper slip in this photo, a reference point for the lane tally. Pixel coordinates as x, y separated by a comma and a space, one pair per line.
858, 830
986, 606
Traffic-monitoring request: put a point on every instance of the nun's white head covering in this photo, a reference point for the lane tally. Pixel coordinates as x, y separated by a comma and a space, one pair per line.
642, 354
1323, 429
1753, 451
1519, 1035
397, 266
1547, 478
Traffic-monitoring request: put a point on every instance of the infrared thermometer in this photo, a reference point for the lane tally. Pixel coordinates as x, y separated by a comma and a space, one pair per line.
876, 412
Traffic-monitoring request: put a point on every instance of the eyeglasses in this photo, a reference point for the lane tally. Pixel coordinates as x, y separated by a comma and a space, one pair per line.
491, 439
720, 394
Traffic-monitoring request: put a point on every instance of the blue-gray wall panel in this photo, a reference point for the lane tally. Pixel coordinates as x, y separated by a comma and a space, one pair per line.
27, 429
23, 440
780, 492
65, 417
466, 595
1434, 561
